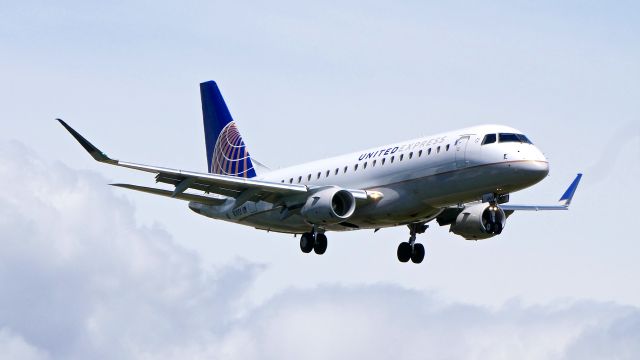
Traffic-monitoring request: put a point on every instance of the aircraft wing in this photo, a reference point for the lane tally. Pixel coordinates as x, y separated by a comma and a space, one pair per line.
563, 203
231, 186
448, 215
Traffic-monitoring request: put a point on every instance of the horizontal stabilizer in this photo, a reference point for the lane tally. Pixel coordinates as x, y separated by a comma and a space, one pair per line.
182, 196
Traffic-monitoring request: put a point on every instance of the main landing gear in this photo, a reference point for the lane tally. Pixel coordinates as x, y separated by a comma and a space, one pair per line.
411, 249
315, 241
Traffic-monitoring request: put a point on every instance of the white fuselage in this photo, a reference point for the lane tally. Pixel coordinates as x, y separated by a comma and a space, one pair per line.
417, 179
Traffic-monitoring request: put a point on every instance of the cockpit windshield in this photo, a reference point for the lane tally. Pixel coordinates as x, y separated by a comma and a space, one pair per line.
505, 137
489, 139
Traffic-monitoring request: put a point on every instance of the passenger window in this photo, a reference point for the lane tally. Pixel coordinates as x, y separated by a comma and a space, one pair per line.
327, 175
401, 157
447, 147
282, 181
420, 153
355, 167
365, 165
309, 177
383, 160
373, 164
393, 157
291, 181
299, 179
411, 155
337, 170
319, 173
438, 150
345, 169
429, 151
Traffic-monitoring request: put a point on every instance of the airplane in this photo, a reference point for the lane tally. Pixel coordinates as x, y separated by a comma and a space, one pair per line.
461, 179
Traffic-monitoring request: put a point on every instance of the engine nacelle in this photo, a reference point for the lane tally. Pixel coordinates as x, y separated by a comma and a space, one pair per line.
480, 221
329, 206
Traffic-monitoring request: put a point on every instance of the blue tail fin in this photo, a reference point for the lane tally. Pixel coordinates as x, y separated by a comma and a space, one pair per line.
226, 151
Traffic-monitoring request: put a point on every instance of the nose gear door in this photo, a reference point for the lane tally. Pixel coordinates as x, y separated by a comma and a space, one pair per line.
461, 150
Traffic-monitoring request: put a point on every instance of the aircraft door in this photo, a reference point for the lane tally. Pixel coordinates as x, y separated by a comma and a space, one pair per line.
461, 150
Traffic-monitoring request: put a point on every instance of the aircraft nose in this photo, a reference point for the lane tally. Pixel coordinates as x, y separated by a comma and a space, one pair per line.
537, 155
535, 166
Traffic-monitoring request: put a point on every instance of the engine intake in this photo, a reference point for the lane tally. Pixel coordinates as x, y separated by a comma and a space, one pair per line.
480, 221
329, 206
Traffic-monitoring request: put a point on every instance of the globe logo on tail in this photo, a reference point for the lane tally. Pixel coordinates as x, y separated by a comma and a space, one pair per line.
230, 155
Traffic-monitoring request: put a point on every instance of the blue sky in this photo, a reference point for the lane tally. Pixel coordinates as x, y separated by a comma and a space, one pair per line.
305, 81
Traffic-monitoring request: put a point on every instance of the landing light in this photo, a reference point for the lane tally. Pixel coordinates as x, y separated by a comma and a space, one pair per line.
375, 195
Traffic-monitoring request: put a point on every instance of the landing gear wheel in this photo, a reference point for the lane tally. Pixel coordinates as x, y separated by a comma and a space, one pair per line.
306, 242
489, 227
418, 253
321, 244
498, 228
404, 252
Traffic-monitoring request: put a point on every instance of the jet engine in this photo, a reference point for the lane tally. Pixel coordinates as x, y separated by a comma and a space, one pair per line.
329, 206
480, 221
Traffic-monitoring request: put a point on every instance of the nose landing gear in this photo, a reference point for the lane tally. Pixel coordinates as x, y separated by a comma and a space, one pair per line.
411, 250
492, 219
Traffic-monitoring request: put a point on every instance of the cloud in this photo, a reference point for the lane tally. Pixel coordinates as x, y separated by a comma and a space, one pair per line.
79, 278
382, 322
14, 347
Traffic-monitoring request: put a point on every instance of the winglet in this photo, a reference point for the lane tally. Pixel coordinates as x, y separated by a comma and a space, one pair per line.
91, 149
565, 199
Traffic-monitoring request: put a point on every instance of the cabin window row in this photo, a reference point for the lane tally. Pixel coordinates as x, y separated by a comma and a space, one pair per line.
366, 163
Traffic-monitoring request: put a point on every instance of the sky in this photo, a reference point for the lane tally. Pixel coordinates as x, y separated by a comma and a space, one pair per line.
88, 271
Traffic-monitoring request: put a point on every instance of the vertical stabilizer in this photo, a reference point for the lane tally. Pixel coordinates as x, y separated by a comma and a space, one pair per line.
226, 151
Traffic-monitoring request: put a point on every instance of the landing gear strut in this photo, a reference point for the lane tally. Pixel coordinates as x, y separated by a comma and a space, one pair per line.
411, 250
315, 241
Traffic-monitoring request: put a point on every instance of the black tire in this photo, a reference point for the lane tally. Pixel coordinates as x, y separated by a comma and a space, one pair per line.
321, 244
306, 243
418, 253
498, 229
489, 227
404, 252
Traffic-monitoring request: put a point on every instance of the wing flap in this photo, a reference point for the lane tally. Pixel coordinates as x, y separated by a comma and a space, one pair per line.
196, 185
215, 182
182, 196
